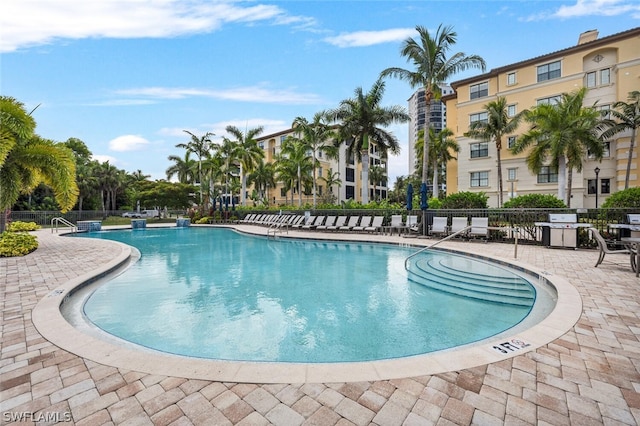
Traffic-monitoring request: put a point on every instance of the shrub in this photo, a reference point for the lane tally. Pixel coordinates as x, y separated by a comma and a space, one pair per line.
465, 200
19, 226
627, 198
434, 203
17, 244
535, 201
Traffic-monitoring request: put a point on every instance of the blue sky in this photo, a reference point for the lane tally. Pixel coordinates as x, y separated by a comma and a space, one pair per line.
128, 76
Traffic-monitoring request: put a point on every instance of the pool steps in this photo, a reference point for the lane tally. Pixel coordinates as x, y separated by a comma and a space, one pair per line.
439, 276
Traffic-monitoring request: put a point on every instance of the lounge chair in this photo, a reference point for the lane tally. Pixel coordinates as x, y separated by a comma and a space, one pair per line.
458, 224
395, 225
248, 218
376, 224
329, 222
313, 224
304, 221
340, 222
439, 226
604, 248
479, 227
364, 222
353, 222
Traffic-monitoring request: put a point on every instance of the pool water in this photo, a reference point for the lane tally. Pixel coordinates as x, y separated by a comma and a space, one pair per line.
220, 294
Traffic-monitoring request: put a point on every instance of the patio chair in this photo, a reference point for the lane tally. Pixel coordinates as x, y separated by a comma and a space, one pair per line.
376, 224
364, 222
458, 224
479, 227
353, 222
439, 226
313, 224
329, 222
604, 248
340, 222
304, 222
396, 224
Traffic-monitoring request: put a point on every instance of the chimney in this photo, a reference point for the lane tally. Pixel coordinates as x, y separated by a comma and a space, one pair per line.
587, 36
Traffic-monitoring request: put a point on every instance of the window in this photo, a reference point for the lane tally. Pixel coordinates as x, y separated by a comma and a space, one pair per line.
511, 142
320, 190
549, 71
606, 151
511, 110
480, 149
605, 76
283, 192
479, 179
606, 108
349, 192
552, 100
547, 175
350, 175
261, 144
605, 186
512, 174
590, 79
319, 171
479, 90
591, 186
481, 116
511, 79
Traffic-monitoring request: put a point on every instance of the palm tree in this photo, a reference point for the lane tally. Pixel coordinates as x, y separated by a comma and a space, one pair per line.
183, 168
432, 68
315, 135
249, 154
561, 133
200, 146
332, 179
626, 117
230, 153
442, 144
294, 154
86, 180
377, 174
27, 160
498, 125
361, 119
263, 177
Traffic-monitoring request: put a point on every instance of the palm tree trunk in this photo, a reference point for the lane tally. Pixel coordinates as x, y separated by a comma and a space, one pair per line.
630, 159
243, 179
365, 176
569, 185
500, 188
428, 94
562, 179
299, 187
436, 190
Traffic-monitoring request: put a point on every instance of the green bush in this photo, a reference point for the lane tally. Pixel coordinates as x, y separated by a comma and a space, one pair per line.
535, 201
627, 198
17, 244
19, 226
434, 203
465, 200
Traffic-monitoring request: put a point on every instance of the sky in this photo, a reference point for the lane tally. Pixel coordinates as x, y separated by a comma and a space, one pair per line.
127, 77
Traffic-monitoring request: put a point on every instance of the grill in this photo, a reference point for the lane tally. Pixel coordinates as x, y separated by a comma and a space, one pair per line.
561, 230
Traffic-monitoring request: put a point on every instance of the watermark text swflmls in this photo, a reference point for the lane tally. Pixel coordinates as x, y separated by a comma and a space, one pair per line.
41, 416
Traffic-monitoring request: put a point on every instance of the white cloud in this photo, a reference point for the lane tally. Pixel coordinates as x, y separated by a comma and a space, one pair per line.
128, 143
218, 129
254, 94
105, 158
591, 8
370, 38
26, 23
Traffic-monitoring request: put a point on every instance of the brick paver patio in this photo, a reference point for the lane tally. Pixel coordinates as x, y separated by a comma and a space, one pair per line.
587, 376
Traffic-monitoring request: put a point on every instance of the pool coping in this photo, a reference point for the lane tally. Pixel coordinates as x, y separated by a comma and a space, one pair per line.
51, 324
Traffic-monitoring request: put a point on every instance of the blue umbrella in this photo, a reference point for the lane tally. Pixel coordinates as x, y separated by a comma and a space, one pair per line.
410, 197
423, 197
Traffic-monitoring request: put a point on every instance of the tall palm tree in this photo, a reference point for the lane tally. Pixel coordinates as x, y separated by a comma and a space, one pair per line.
562, 134
249, 154
315, 135
332, 179
442, 144
498, 125
626, 116
263, 177
229, 151
294, 155
183, 168
86, 180
377, 174
27, 160
200, 146
361, 120
432, 68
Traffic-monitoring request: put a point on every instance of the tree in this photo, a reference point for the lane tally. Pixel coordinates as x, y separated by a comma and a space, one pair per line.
294, 157
561, 133
27, 160
315, 135
263, 177
626, 116
432, 68
332, 179
442, 145
229, 153
377, 174
249, 154
200, 146
498, 125
361, 121
184, 169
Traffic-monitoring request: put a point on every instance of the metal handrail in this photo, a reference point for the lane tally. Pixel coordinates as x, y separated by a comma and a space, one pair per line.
56, 220
515, 252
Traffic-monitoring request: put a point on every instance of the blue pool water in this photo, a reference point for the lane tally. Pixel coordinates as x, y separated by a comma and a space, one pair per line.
219, 294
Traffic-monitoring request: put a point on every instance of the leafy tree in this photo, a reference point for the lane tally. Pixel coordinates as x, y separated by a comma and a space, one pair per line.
432, 69
441, 144
465, 200
332, 179
200, 146
535, 201
561, 133
361, 121
377, 175
166, 194
626, 116
26, 160
183, 168
498, 125
294, 158
263, 177
249, 154
627, 198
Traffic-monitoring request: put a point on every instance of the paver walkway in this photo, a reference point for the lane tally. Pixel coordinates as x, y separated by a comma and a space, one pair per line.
588, 376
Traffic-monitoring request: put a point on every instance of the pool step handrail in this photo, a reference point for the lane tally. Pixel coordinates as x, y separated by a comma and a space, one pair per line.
448, 237
61, 220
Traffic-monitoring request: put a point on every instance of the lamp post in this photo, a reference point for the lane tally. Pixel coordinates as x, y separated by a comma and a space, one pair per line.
597, 171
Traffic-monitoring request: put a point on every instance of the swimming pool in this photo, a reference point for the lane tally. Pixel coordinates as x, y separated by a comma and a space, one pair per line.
219, 294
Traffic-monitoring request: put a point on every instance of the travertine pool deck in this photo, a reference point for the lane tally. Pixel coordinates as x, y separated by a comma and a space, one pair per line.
582, 373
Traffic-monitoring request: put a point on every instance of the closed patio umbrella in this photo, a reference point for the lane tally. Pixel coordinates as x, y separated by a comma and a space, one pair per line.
410, 197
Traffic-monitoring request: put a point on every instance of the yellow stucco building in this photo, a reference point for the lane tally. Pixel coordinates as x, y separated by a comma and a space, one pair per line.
609, 67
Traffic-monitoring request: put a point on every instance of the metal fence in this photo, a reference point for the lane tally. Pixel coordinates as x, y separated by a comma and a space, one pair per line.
524, 219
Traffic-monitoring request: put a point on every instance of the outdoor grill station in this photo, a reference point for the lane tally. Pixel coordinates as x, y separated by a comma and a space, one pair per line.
561, 230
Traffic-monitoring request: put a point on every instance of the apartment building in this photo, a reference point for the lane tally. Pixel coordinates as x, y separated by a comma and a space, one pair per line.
609, 67
349, 169
417, 112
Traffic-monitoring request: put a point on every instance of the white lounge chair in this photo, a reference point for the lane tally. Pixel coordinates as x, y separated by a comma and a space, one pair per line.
479, 227
439, 226
353, 222
376, 224
305, 221
364, 222
313, 224
396, 224
329, 222
340, 222
458, 224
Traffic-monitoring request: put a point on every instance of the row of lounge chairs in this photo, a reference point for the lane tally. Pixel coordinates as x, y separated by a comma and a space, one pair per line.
479, 227
319, 223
